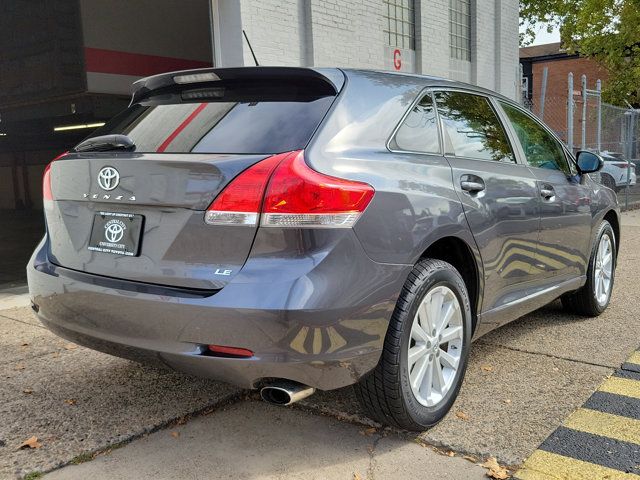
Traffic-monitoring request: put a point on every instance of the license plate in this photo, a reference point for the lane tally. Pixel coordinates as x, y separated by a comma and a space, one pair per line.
116, 233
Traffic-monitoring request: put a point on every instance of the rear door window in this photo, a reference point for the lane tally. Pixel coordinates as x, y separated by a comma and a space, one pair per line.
244, 124
472, 128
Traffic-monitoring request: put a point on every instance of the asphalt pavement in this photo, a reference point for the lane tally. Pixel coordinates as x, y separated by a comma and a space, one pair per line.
118, 419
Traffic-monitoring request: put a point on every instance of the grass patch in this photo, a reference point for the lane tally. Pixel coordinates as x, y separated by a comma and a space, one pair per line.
83, 457
33, 475
88, 456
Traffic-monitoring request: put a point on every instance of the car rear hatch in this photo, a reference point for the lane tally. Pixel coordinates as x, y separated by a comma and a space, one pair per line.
140, 215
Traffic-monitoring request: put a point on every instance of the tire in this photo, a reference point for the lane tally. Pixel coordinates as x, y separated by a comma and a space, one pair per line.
608, 181
386, 393
585, 301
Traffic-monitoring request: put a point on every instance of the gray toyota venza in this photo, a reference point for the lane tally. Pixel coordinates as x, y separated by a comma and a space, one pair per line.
293, 229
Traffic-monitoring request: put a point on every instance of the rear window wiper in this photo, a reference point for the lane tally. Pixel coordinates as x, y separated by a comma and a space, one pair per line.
106, 143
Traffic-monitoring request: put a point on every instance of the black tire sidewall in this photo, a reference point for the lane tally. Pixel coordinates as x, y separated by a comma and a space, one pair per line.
421, 414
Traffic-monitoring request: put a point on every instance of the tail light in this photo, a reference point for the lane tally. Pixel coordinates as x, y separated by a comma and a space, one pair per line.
241, 200
47, 194
288, 193
623, 166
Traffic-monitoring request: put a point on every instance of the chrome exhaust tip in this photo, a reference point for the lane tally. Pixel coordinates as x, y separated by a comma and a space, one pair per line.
285, 393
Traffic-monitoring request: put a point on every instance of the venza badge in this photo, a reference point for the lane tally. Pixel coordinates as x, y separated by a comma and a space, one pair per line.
108, 178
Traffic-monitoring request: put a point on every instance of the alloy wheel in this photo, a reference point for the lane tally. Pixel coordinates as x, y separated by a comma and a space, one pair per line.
603, 270
435, 346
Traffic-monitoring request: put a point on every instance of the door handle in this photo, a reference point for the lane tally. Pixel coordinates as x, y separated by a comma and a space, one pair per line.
471, 183
547, 192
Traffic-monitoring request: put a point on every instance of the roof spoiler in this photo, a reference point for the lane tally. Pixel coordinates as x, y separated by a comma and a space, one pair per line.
325, 78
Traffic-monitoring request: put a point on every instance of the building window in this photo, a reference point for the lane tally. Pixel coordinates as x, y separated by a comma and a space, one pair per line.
460, 29
399, 26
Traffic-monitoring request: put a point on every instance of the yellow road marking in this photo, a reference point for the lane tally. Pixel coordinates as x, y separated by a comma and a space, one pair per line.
634, 358
605, 424
297, 343
621, 386
543, 465
336, 340
317, 341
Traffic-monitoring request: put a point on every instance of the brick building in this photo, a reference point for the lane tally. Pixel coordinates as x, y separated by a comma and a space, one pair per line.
559, 63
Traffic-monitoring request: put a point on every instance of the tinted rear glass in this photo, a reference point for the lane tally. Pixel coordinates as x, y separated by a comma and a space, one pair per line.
251, 122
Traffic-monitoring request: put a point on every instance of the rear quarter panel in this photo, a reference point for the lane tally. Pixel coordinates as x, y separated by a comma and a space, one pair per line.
415, 203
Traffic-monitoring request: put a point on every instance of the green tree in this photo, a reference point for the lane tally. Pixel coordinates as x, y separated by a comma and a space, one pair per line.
606, 30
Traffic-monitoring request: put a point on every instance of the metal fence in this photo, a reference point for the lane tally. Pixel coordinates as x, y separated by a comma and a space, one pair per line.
584, 122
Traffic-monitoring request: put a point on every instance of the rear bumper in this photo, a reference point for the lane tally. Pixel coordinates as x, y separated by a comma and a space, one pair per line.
310, 320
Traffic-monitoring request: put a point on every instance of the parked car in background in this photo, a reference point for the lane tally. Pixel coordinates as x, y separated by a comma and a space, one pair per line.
617, 172
289, 229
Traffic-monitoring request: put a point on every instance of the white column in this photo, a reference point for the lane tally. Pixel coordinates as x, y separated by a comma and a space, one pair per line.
227, 33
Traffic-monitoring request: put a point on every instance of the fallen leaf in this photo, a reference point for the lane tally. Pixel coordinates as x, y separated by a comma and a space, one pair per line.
175, 434
495, 470
28, 391
368, 432
71, 401
356, 476
486, 368
450, 453
30, 443
470, 458
70, 346
462, 415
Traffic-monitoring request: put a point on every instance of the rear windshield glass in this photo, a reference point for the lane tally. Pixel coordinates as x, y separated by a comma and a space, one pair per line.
232, 122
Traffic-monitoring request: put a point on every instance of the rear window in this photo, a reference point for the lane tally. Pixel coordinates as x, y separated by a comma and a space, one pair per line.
225, 120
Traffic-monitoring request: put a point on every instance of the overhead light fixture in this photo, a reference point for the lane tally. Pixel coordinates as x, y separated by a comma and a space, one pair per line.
2, 134
78, 127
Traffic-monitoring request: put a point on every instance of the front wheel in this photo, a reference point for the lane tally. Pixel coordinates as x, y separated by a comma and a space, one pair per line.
593, 299
425, 351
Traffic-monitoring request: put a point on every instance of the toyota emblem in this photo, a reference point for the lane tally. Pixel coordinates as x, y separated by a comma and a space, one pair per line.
108, 178
113, 232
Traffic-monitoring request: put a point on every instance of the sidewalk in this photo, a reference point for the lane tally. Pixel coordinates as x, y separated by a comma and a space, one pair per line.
523, 380
253, 440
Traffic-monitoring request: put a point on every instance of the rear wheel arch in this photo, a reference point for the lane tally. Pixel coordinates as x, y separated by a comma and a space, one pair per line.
462, 257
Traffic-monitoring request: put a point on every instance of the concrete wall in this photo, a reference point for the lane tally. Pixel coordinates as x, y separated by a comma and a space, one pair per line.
349, 33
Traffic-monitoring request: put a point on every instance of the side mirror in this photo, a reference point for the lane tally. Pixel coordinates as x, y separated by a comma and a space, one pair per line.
589, 162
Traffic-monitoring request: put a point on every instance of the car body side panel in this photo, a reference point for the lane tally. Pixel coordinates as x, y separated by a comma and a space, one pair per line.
414, 204
504, 219
603, 201
565, 227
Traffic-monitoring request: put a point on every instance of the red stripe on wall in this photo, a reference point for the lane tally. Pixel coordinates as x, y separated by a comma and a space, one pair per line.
181, 127
136, 64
